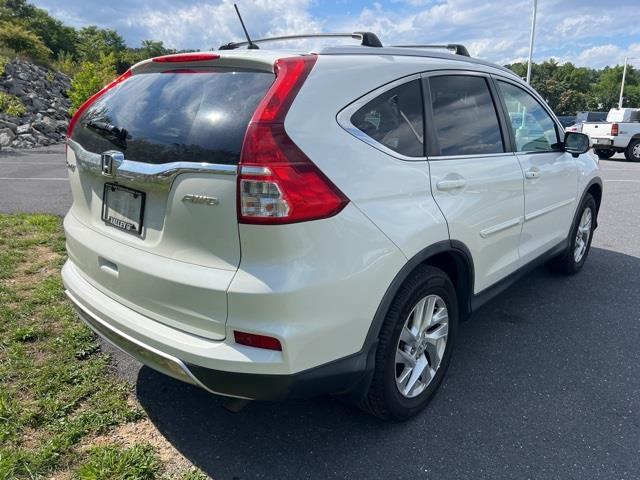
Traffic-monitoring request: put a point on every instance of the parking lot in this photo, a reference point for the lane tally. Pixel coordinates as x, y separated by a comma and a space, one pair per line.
544, 383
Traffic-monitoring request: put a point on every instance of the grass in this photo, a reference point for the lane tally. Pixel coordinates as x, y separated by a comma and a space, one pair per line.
58, 394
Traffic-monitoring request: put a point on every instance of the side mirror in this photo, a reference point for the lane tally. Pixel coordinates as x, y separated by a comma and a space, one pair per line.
576, 143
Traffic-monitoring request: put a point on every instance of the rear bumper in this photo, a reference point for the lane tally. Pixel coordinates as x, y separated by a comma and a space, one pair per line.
202, 362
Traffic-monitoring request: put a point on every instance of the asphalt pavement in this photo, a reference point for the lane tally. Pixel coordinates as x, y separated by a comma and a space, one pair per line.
34, 181
544, 382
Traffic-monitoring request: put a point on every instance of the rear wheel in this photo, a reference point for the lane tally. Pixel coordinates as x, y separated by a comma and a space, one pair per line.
415, 345
603, 154
632, 152
573, 258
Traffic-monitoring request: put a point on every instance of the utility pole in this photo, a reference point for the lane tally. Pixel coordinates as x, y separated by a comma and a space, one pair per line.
533, 33
624, 74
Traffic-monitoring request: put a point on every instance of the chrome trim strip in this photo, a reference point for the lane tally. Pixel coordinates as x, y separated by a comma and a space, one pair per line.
161, 174
465, 157
344, 118
549, 209
89, 317
487, 232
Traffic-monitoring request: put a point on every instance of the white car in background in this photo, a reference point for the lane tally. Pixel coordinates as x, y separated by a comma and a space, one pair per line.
269, 224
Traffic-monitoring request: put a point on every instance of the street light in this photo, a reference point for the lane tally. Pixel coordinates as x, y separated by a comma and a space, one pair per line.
624, 75
533, 33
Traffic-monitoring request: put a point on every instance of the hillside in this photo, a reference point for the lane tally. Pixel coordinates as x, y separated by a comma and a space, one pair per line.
42, 96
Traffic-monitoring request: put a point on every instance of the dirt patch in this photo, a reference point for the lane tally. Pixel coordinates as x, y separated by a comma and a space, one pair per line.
40, 264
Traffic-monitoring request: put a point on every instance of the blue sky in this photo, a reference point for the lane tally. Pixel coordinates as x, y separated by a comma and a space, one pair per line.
586, 32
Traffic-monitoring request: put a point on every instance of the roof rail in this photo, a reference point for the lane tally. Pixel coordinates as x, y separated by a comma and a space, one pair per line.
367, 39
456, 48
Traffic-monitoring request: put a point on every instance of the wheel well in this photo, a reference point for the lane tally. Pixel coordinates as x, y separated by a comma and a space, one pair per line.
457, 267
596, 192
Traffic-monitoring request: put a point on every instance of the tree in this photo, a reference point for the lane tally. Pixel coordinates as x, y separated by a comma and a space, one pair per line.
94, 42
22, 41
91, 77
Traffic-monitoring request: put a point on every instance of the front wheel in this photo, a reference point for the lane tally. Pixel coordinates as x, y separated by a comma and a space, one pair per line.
414, 348
572, 259
632, 152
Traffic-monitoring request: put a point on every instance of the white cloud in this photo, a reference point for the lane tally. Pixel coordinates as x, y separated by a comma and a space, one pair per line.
585, 32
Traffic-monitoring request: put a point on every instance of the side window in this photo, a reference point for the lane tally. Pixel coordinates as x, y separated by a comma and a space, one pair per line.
464, 116
395, 119
533, 128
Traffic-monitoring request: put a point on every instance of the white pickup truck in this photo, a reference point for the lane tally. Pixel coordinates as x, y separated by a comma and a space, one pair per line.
619, 134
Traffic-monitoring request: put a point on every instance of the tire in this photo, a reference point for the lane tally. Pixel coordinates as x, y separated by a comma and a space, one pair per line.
384, 398
570, 262
632, 152
604, 154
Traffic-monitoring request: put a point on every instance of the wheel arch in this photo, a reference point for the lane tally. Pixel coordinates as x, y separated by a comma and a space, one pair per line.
593, 188
451, 256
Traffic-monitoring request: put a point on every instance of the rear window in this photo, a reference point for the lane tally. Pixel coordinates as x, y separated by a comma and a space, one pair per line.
191, 115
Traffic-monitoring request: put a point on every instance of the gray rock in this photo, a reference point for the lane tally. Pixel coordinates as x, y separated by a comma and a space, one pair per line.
23, 129
6, 136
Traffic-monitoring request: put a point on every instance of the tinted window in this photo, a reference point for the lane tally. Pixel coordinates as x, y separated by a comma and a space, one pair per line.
395, 119
174, 116
464, 116
532, 126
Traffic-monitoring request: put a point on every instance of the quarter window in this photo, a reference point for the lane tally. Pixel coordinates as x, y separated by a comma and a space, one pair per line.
395, 119
533, 128
464, 116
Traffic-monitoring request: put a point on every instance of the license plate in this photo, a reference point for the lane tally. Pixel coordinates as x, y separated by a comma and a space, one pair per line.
602, 141
123, 208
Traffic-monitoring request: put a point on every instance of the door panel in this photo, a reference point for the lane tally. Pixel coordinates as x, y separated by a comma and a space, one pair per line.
485, 212
550, 185
475, 182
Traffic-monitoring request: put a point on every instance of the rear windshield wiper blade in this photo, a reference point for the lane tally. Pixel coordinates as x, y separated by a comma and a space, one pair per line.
119, 133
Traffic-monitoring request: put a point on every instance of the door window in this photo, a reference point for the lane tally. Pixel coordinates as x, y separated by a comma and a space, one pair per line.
395, 119
464, 116
533, 128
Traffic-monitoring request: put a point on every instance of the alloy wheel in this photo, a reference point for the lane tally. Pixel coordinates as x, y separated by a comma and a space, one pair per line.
421, 345
582, 235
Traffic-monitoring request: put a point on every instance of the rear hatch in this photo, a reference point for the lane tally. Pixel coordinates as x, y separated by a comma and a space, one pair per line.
154, 184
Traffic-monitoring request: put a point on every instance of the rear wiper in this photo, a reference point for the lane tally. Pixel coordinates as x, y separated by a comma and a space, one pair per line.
119, 133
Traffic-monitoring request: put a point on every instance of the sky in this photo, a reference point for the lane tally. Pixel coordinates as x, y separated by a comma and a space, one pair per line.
585, 32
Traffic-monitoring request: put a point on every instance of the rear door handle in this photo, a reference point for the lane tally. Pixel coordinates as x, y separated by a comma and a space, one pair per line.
531, 174
451, 184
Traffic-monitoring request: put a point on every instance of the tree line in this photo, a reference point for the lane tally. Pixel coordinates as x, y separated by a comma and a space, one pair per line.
93, 56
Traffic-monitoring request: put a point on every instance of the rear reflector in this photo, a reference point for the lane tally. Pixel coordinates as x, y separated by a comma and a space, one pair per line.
93, 98
278, 183
188, 57
614, 129
257, 341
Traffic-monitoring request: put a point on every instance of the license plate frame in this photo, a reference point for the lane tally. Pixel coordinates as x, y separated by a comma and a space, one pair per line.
128, 203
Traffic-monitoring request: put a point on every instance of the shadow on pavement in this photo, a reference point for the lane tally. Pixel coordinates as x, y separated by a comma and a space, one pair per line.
544, 383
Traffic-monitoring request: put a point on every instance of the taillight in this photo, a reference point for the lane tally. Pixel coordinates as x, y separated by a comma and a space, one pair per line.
614, 129
93, 98
257, 341
278, 183
186, 57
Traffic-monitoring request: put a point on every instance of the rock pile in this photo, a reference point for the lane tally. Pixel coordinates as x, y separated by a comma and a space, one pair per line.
43, 92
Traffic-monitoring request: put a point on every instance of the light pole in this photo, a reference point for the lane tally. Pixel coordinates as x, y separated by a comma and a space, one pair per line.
533, 33
624, 75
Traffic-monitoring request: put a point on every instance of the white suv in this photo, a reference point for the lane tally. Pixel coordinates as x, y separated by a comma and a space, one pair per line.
269, 224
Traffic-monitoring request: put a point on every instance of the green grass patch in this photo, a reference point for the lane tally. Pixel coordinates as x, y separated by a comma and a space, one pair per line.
11, 105
57, 389
113, 463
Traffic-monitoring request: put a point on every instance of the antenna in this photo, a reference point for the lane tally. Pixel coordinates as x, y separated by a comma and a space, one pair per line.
250, 45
